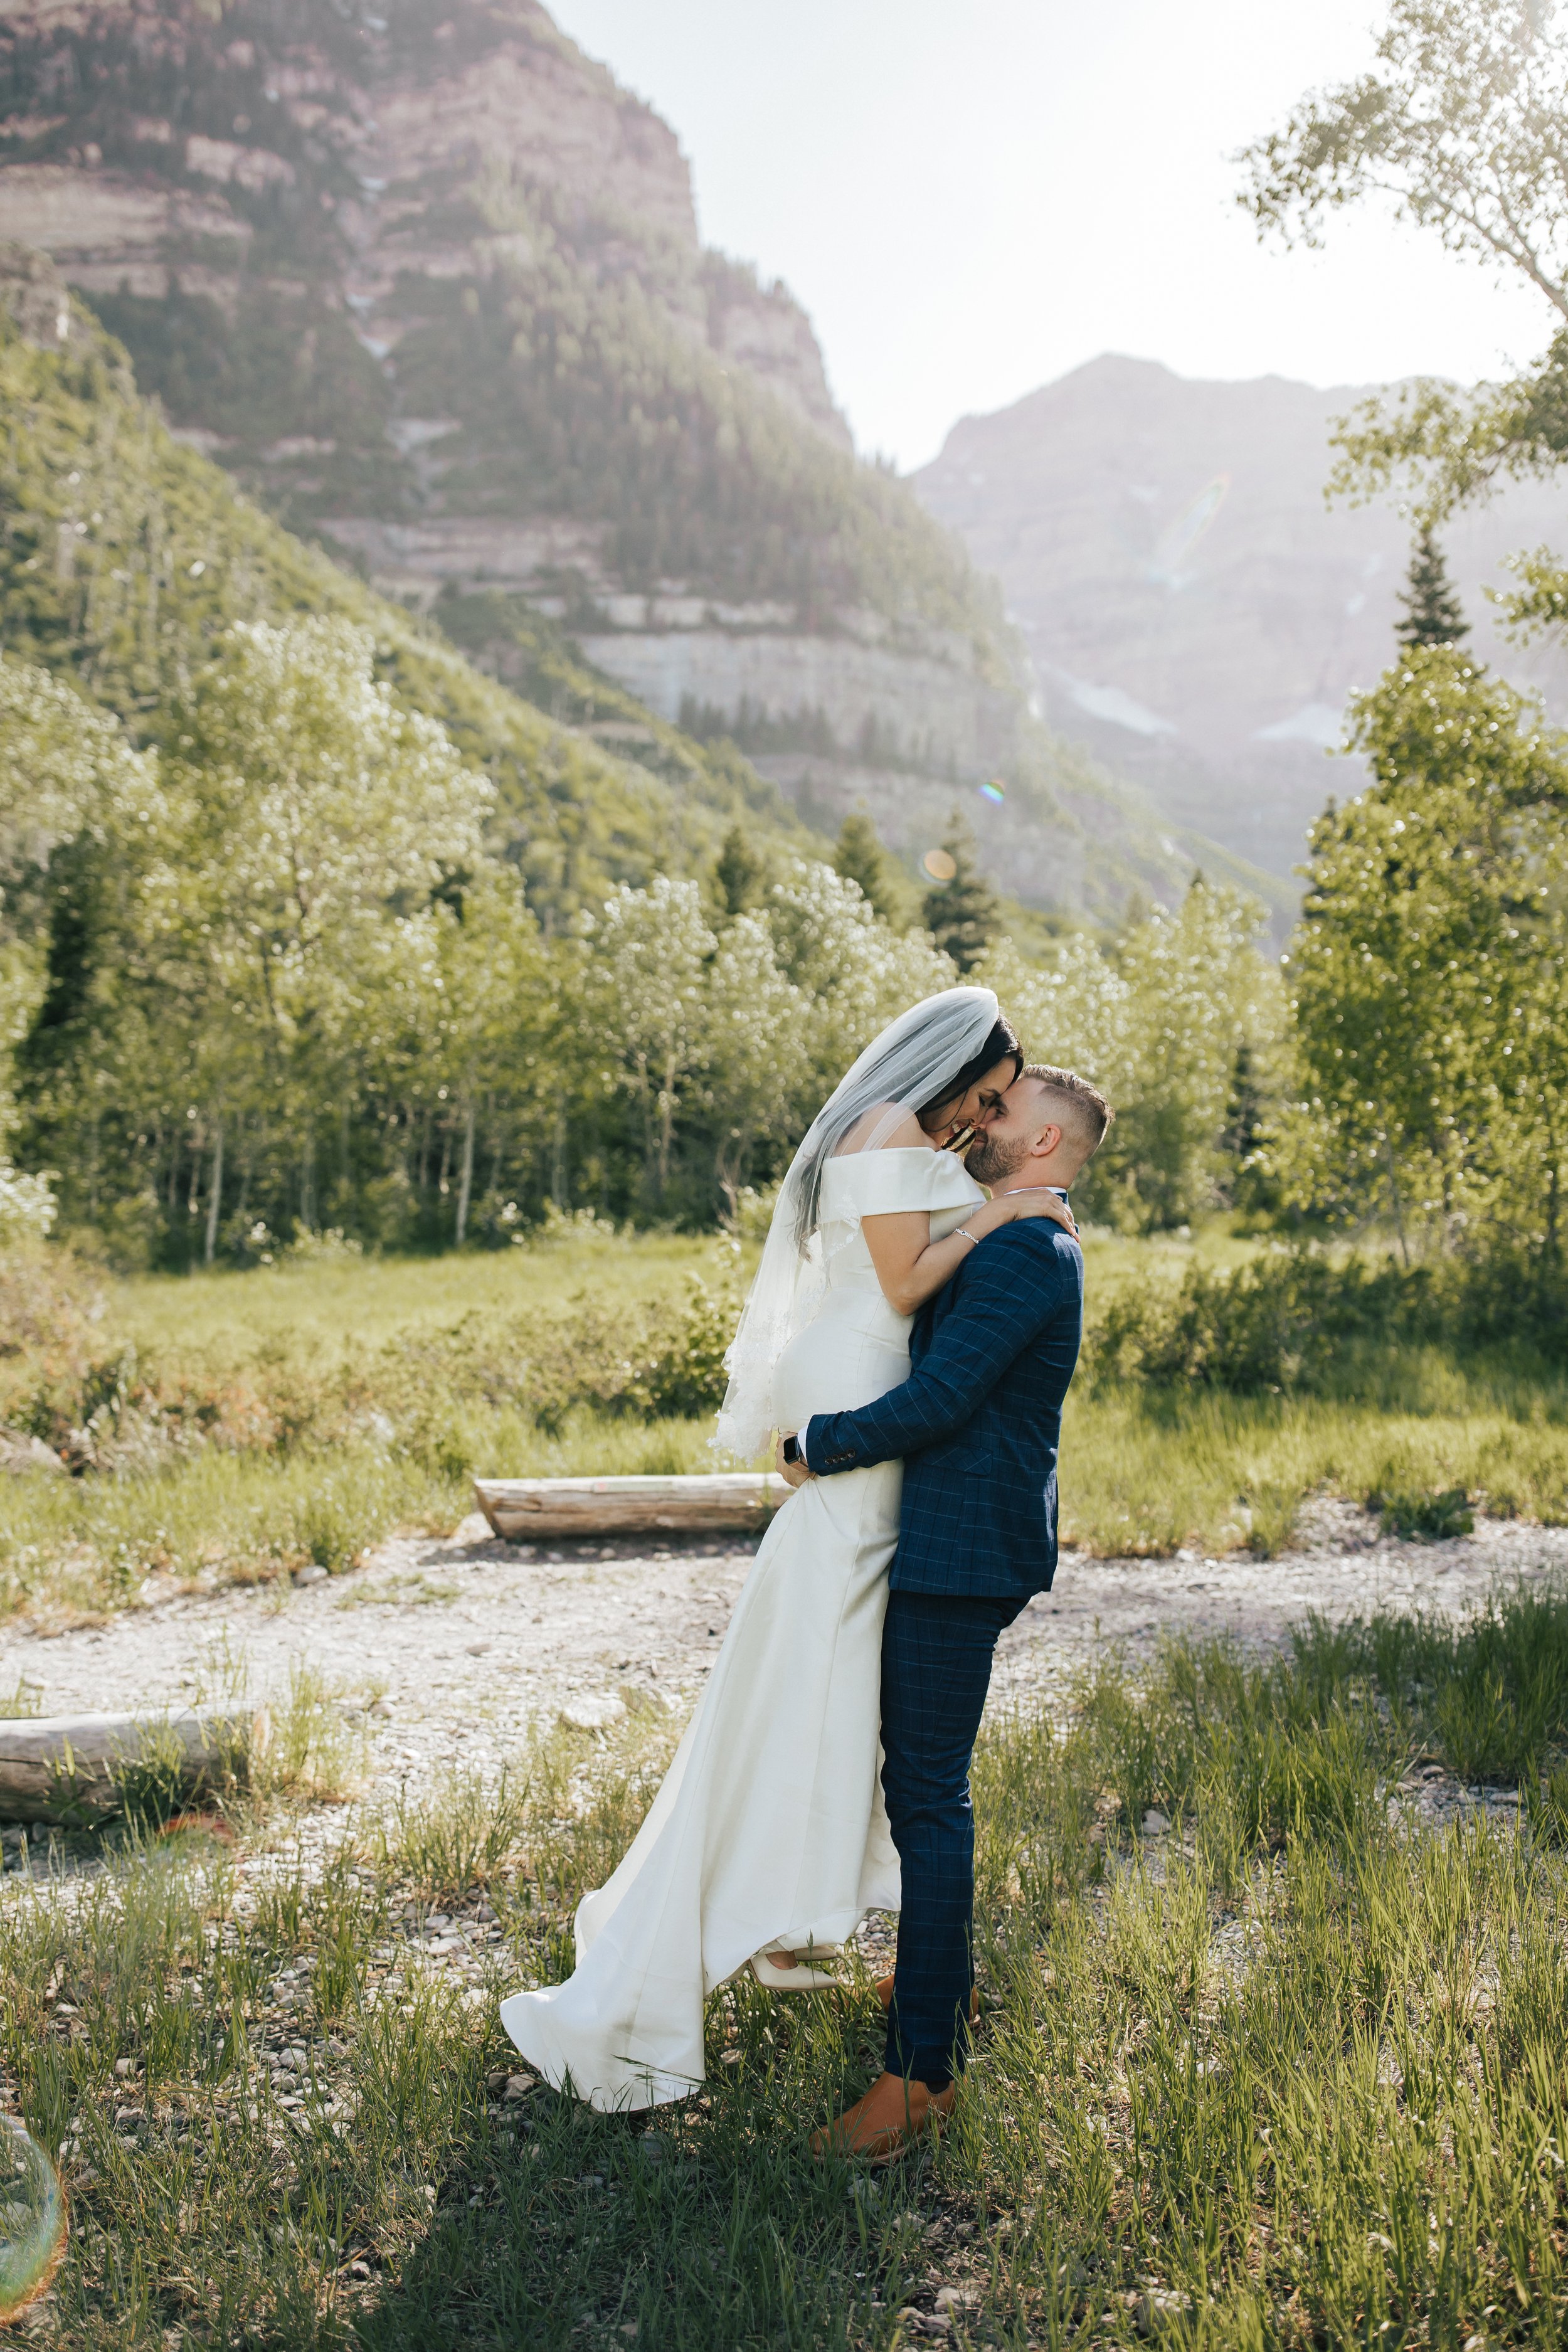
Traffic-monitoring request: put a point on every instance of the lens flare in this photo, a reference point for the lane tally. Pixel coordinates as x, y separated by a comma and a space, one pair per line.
939, 864
33, 2225
995, 791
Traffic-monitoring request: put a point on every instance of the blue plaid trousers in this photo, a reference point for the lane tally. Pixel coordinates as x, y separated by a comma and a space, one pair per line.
936, 1670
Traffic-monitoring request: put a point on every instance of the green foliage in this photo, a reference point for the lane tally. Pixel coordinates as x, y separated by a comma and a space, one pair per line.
1284, 1322
1432, 612
124, 556
1301, 1321
860, 857
961, 914
1160, 1021
738, 872
1428, 973
1458, 123
1435, 1516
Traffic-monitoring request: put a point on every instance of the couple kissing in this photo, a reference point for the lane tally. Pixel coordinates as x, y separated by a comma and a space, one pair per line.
910, 1341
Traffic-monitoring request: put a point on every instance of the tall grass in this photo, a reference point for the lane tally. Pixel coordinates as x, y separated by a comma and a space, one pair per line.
1147, 1472
89, 1545
300, 1413
1286, 2072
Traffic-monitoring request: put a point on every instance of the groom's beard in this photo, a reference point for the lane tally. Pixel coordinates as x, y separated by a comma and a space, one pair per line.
995, 1158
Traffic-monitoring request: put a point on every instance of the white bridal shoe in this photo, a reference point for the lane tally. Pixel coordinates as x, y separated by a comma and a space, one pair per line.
798, 1979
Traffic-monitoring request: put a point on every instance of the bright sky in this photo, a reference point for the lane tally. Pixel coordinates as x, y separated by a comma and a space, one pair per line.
972, 196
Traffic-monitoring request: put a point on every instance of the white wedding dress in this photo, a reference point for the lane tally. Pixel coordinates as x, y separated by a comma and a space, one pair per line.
769, 1830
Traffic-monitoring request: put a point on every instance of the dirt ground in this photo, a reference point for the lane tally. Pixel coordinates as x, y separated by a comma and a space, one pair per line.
458, 1648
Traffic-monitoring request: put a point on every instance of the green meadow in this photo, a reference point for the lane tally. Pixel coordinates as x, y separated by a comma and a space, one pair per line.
228, 1426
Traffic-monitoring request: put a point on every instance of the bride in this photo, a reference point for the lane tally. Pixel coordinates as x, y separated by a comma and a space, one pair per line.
768, 1839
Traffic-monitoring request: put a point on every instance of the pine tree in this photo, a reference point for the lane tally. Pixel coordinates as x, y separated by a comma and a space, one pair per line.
961, 914
861, 858
1432, 612
738, 872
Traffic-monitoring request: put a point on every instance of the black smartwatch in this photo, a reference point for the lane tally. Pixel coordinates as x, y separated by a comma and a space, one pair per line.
792, 1453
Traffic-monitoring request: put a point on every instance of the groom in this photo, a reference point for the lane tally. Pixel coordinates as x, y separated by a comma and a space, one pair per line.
977, 1423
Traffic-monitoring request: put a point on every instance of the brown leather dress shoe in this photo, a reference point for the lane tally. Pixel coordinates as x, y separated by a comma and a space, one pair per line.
888, 2120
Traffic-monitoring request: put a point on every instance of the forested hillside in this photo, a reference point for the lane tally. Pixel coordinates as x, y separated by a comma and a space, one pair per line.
429, 286
123, 554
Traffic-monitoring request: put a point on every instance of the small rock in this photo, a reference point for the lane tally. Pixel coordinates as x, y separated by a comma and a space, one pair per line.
478, 1649
311, 1574
653, 2147
124, 2066
518, 2086
496, 2084
958, 2298
1155, 1823
593, 1713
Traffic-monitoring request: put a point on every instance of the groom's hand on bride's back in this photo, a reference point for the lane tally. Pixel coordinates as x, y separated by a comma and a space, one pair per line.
793, 1473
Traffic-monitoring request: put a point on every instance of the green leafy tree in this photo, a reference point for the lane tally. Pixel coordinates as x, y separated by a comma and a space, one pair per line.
854, 973
1430, 996
860, 856
961, 914
1459, 122
760, 1073
1160, 1024
650, 954
1432, 611
315, 808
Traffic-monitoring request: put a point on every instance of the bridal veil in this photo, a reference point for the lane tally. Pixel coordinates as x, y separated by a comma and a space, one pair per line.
901, 1070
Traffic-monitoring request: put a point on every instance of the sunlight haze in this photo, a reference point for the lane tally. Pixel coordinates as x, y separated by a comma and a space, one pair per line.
970, 202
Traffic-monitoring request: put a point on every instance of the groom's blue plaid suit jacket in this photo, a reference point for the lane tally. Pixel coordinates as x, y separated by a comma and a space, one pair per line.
978, 1422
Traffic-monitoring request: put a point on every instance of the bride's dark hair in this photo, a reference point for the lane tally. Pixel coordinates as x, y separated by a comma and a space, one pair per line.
1001, 1045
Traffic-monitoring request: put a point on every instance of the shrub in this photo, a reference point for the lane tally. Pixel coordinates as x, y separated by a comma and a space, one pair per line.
1298, 1320
1275, 1324
1416, 1511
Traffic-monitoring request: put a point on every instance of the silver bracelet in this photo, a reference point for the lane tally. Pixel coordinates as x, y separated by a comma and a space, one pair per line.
965, 1236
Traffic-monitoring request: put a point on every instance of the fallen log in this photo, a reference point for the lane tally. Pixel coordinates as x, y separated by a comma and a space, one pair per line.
525, 1508
74, 1770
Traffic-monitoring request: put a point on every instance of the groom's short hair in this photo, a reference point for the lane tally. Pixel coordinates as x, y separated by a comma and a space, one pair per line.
1080, 1107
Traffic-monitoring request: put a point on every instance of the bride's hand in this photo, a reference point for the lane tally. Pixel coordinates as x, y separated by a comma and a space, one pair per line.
1034, 1200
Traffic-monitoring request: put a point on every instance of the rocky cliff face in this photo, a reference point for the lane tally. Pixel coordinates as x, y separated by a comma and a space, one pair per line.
1193, 609
427, 282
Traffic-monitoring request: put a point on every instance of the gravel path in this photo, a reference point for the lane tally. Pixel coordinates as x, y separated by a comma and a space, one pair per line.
458, 1648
